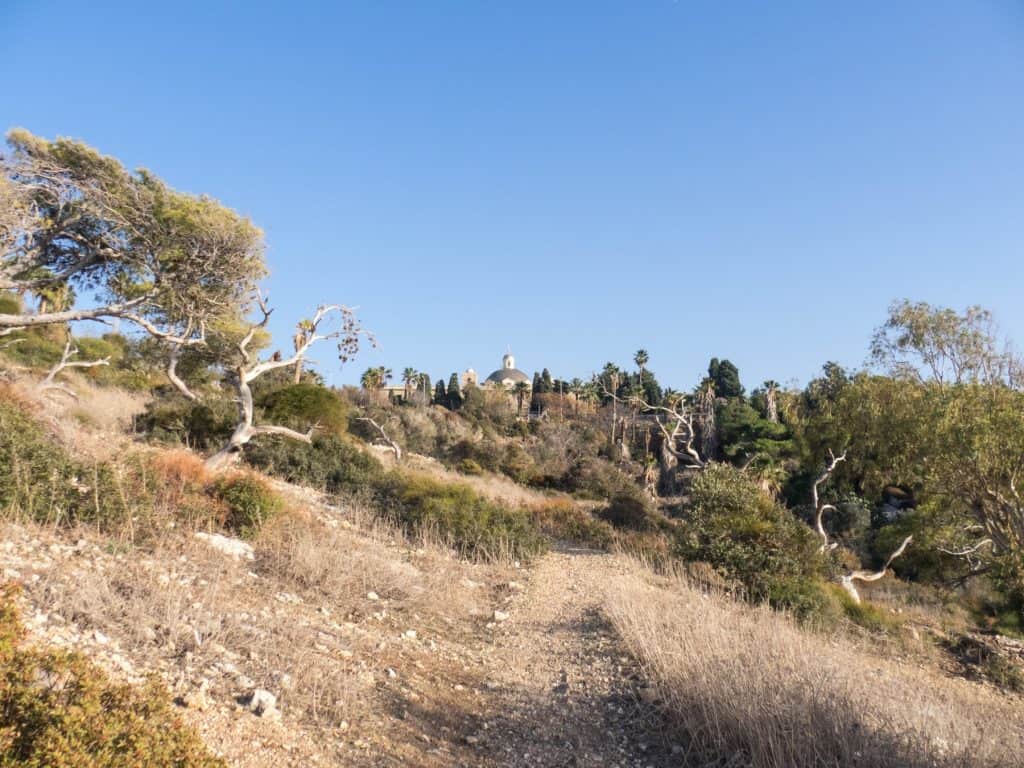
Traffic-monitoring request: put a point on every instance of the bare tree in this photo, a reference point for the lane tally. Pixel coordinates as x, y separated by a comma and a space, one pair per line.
389, 442
70, 350
675, 421
819, 508
848, 579
250, 367
868, 576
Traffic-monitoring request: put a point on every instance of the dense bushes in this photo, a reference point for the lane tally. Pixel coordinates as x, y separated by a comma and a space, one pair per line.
627, 511
473, 525
330, 462
732, 525
250, 502
59, 711
36, 475
300, 405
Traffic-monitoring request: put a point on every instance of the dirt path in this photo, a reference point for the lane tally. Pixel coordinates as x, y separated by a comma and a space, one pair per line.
560, 690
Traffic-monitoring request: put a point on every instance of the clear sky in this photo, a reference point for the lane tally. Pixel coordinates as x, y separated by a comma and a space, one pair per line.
748, 180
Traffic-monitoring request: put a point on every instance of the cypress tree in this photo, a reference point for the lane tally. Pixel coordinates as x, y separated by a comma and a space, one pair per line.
440, 396
454, 393
545, 382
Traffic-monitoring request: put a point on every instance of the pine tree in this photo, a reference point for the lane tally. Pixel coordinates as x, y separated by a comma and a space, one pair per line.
726, 378
545, 382
454, 393
536, 383
440, 395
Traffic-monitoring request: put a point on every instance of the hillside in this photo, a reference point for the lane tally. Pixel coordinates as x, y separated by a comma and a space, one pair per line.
380, 649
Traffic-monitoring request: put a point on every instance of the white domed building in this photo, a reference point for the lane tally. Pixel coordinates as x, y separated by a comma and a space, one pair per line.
507, 376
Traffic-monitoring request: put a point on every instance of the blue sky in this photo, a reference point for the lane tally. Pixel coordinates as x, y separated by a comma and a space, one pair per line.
750, 180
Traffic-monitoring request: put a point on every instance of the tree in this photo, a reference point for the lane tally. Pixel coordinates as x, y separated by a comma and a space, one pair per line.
641, 358
409, 379
370, 380
440, 394
77, 223
546, 384
726, 378
852, 575
248, 367
521, 390
919, 341
454, 393
771, 400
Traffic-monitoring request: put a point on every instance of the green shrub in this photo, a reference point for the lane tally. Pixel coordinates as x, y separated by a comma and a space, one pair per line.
747, 536
250, 503
329, 462
470, 467
517, 464
563, 520
175, 420
301, 405
60, 711
484, 453
809, 600
627, 511
37, 477
473, 525
598, 479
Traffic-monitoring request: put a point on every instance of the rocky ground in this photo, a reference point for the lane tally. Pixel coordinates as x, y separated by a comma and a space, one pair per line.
414, 659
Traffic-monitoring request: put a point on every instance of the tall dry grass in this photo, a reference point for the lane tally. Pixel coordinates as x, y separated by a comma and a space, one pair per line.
747, 687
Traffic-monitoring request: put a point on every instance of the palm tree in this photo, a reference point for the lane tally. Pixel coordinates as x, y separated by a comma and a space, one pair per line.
521, 389
641, 358
409, 378
771, 391
370, 378
576, 390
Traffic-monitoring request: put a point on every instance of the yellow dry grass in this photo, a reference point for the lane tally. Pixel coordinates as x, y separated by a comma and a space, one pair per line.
747, 687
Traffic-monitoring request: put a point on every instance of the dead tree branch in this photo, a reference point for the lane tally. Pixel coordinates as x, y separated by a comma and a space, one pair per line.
250, 368
868, 576
679, 439
391, 444
819, 508
70, 350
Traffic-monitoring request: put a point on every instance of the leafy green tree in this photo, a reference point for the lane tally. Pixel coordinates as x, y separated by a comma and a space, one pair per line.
923, 342
440, 394
546, 385
78, 223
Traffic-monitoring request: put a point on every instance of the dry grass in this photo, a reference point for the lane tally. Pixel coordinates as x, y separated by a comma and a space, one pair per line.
296, 621
747, 687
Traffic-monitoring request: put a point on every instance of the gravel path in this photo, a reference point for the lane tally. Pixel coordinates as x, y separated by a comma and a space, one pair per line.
560, 689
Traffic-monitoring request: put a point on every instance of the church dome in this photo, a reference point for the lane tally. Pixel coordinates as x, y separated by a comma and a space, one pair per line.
508, 374
502, 375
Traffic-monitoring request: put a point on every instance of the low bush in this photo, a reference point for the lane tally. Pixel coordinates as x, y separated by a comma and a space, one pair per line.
37, 477
60, 711
476, 527
747, 536
598, 479
176, 420
563, 520
330, 462
250, 503
470, 467
627, 511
